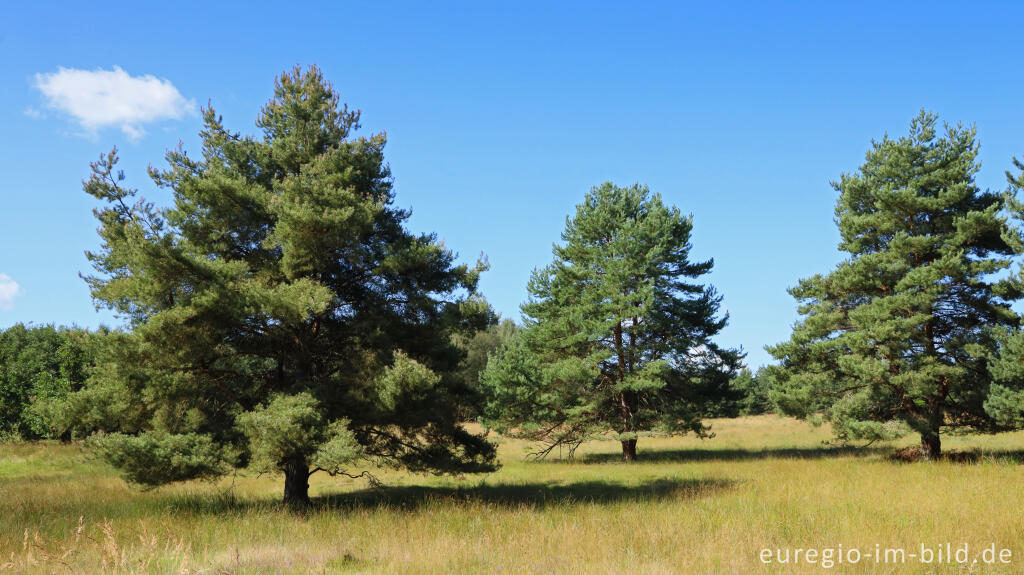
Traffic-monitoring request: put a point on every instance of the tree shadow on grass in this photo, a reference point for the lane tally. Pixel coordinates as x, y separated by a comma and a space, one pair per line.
411, 497
535, 495
1006, 456
1010, 457
699, 455
913, 455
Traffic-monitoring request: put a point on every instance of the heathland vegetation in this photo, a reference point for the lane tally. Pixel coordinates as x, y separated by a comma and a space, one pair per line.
282, 320
685, 506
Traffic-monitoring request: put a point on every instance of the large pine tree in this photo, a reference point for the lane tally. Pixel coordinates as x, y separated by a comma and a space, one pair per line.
1005, 402
281, 315
897, 337
618, 335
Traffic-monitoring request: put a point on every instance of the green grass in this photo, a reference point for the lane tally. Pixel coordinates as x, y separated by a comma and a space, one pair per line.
689, 506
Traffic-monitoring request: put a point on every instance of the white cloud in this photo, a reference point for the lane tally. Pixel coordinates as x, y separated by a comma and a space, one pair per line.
9, 289
112, 98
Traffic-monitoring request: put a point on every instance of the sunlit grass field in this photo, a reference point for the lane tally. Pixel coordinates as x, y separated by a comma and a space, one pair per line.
689, 506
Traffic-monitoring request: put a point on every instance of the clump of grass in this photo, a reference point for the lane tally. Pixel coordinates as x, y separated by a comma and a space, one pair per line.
96, 548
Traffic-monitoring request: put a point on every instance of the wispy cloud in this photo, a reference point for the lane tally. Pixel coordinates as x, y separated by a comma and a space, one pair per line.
99, 99
9, 289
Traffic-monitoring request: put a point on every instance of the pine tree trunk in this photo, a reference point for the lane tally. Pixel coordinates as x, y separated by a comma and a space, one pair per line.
627, 400
931, 445
296, 482
629, 450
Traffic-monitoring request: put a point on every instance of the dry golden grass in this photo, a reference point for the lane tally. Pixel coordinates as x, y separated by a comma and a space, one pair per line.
688, 506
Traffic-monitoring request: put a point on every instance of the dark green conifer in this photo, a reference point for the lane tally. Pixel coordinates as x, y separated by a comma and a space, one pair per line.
280, 312
618, 335
1005, 402
897, 337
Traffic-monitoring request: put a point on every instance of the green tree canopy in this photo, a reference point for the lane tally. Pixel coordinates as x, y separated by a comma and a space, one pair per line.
617, 336
754, 390
281, 314
897, 337
39, 367
478, 349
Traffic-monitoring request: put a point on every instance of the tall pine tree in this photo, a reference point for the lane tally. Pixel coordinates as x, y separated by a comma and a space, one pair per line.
897, 337
618, 335
281, 315
1005, 403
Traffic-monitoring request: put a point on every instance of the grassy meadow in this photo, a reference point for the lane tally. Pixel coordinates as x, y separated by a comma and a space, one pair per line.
689, 506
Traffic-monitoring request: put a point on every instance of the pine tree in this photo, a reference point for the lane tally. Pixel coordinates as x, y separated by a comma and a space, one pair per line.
281, 315
1005, 403
616, 336
896, 338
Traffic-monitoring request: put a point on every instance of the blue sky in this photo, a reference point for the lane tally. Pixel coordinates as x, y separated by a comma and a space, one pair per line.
500, 117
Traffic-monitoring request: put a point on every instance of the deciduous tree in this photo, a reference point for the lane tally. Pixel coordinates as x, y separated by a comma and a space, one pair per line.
39, 367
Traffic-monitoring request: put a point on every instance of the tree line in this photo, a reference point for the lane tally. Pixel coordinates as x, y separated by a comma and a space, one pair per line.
280, 316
